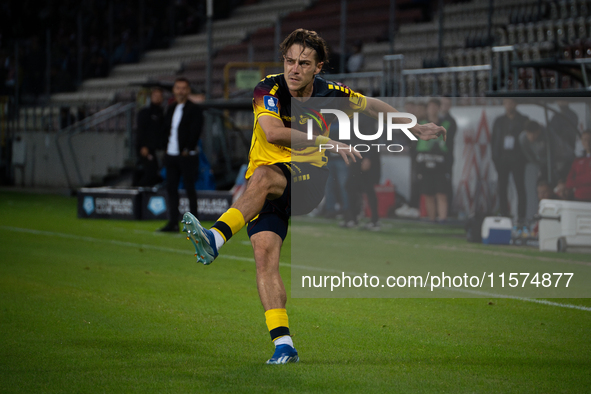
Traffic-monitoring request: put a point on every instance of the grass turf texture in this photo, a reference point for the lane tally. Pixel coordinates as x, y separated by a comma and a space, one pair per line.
112, 306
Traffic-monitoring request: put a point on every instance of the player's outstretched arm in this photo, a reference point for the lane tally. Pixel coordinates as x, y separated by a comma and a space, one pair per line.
426, 131
278, 134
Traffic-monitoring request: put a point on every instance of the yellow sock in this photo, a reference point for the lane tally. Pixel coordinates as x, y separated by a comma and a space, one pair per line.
229, 223
277, 323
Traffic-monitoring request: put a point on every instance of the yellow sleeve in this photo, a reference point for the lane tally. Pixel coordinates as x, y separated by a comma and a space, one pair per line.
265, 100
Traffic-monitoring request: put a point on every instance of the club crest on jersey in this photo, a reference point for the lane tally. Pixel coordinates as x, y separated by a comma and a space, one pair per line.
271, 104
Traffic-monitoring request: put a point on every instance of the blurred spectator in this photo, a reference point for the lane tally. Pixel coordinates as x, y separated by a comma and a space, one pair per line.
355, 61
421, 112
545, 192
336, 199
364, 174
565, 124
508, 156
578, 180
562, 191
150, 121
419, 109
433, 168
538, 144
451, 126
183, 124
409, 106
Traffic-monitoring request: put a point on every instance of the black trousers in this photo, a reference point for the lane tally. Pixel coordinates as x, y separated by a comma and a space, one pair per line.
518, 171
146, 172
360, 182
188, 168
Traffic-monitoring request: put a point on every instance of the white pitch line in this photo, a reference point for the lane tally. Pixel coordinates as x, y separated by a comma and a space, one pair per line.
538, 301
239, 258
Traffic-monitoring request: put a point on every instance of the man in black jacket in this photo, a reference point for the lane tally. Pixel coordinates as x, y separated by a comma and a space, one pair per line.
508, 157
183, 124
149, 128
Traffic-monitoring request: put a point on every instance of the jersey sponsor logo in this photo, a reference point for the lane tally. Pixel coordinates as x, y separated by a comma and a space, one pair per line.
271, 104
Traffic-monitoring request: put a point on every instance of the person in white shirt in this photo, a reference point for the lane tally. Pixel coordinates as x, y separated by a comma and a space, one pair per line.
183, 125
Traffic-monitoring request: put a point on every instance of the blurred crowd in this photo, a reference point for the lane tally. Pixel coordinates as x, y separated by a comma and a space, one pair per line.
352, 187
516, 140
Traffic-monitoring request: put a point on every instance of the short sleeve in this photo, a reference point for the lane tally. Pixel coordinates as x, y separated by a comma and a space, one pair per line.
265, 100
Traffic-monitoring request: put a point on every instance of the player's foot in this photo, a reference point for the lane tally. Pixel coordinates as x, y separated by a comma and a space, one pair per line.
202, 238
284, 354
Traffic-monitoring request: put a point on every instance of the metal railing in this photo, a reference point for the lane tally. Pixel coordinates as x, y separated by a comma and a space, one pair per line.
584, 62
87, 124
393, 65
435, 72
502, 57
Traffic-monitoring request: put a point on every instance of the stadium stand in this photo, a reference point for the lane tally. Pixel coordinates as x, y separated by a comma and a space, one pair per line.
243, 21
529, 37
535, 30
366, 22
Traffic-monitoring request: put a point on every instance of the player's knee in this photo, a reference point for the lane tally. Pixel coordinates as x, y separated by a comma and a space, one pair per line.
266, 256
267, 179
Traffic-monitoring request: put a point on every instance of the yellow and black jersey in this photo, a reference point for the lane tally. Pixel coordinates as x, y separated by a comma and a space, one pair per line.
272, 98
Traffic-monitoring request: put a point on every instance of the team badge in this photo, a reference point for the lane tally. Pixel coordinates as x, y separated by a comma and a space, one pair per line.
271, 104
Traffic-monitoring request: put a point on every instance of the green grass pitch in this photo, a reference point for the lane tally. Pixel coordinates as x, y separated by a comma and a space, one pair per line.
89, 306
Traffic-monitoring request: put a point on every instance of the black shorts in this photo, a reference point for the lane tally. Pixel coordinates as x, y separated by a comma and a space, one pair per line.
304, 191
434, 180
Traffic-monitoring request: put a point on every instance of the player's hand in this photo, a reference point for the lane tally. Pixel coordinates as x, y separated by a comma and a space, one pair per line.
429, 131
347, 152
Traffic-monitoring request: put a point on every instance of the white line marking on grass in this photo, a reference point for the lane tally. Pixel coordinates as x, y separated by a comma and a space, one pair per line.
111, 242
538, 301
251, 260
506, 252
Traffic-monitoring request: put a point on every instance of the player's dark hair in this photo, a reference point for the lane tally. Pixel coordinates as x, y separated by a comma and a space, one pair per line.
309, 39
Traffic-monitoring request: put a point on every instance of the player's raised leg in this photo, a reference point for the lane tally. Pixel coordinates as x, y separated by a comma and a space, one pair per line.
266, 182
267, 247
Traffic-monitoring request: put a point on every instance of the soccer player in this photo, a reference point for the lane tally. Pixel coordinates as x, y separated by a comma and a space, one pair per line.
284, 166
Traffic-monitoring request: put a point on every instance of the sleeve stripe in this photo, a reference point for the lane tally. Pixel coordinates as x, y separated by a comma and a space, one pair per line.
274, 90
